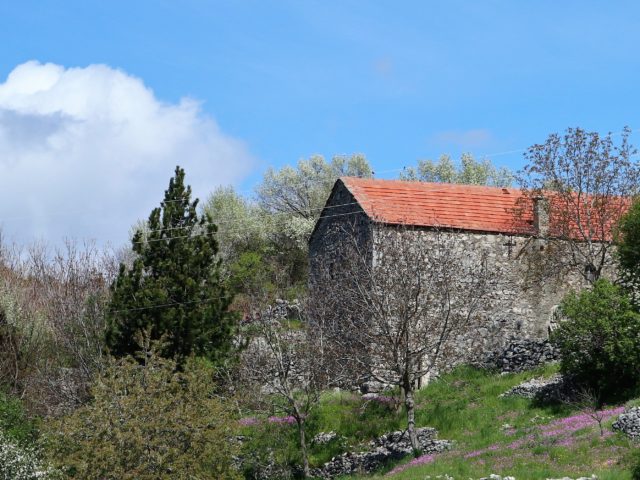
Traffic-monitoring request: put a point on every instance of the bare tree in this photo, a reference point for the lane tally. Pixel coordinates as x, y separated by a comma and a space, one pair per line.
586, 182
405, 304
287, 369
588, 401
52, 309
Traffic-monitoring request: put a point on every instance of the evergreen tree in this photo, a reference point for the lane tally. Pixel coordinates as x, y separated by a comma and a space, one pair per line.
173, 288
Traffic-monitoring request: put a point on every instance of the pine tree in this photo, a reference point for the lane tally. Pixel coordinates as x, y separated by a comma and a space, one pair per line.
173, 288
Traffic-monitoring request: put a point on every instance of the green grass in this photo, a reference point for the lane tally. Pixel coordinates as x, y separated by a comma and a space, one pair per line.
465, 407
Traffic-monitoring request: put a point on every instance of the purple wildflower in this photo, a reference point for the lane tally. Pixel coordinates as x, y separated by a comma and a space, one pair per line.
248, 421
422, 460
288, 420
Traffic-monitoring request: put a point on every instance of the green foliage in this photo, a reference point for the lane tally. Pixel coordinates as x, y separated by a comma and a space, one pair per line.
173, 287
14, 421
628, 243
250, 274
242, 225
468, 171
147, 420
278, 225
600, 339
270, 451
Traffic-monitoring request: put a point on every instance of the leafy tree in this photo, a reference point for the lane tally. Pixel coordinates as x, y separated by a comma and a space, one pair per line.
173, 287
242, 225
291, 199
600, 339
468, 171
147, 421
628, 243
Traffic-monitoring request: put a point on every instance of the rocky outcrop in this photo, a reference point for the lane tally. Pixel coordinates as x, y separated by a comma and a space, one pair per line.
555, 388
391, 446
629, 422
521, 355
324, 437
286, 309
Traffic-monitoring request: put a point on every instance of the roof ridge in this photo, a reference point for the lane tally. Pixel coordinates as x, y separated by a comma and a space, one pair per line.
417, 185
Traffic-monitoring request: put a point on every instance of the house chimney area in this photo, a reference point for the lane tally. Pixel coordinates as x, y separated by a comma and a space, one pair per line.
541, 216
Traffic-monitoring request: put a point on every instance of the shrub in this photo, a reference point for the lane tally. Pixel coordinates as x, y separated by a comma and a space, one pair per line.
600, 339
628, 243
147, 420
14, 423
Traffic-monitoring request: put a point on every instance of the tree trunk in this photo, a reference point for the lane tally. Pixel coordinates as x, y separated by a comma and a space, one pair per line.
411, 416
303, 448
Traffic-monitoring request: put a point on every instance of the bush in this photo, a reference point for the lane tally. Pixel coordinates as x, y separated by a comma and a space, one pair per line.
600, 340
628, 249
14, 423
147, 420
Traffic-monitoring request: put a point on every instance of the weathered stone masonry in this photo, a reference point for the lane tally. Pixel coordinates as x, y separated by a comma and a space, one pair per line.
526, 307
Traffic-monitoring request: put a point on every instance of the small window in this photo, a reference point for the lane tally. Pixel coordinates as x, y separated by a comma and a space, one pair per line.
590, 272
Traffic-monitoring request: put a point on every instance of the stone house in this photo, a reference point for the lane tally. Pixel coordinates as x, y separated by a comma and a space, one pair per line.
483, 220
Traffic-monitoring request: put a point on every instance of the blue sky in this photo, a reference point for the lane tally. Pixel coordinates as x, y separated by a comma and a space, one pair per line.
397, 81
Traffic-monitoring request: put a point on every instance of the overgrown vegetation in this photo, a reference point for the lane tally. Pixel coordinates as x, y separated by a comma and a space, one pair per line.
147, 420
599, 340
510, 436
20, 457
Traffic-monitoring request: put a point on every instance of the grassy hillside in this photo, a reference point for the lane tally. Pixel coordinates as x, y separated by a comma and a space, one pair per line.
507, 436
513, 436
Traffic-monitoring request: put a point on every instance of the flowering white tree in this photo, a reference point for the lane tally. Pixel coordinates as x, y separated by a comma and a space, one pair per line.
22, 463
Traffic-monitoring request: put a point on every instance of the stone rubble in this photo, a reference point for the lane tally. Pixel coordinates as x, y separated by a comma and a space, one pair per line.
285, 309
324, 437
553, 388
521, 355
629, 422
391, 446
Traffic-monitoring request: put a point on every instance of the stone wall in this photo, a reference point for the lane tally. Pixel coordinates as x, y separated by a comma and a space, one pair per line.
342, 219
527, 298
520, 355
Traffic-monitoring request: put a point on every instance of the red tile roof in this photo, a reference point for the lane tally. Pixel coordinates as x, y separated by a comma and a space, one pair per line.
465, 207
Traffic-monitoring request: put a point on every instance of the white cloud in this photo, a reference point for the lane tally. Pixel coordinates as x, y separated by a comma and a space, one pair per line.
85, 152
